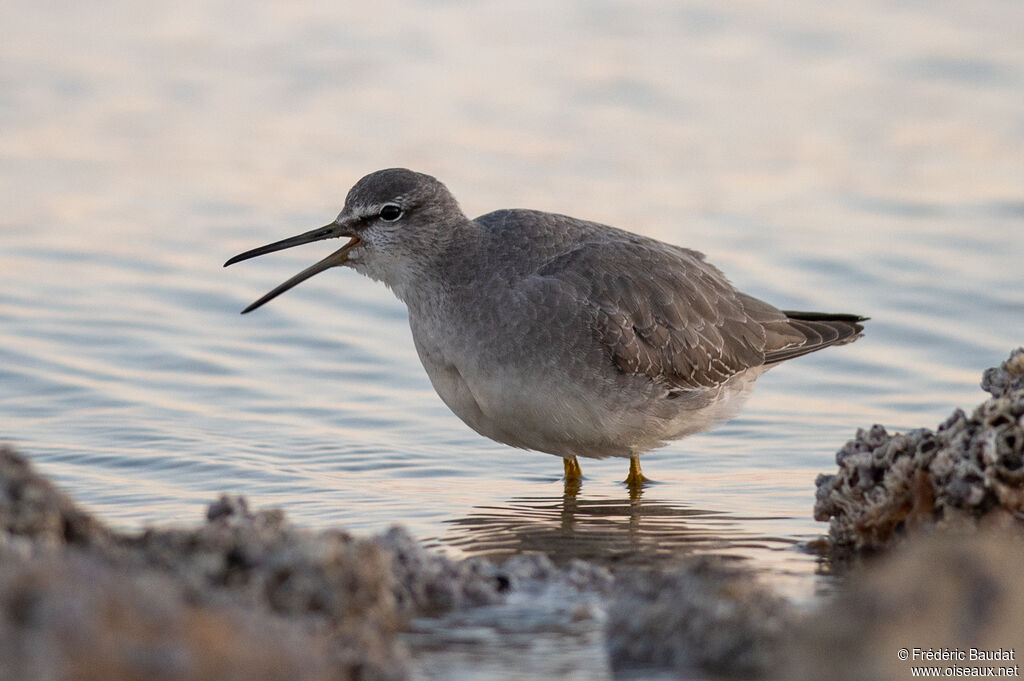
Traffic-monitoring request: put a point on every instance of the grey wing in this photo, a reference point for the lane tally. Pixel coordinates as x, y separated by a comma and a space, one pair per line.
665, 313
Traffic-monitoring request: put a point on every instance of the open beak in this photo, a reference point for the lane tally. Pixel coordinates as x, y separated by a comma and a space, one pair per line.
331, 231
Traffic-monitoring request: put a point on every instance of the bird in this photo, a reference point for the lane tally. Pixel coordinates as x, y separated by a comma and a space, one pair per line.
561, 335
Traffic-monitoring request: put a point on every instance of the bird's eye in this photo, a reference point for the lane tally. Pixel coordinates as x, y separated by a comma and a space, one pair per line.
390, 212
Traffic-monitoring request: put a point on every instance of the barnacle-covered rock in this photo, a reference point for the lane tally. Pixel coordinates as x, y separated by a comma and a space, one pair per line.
969, 468
706, 615
245, 595
944, 591
69, 615
32, 509
1006, 378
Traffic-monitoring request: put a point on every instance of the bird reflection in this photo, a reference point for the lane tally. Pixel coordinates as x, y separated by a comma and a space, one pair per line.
606, 531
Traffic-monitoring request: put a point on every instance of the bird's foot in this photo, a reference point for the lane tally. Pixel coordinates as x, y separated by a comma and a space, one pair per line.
573, 477
636, 479
573, 471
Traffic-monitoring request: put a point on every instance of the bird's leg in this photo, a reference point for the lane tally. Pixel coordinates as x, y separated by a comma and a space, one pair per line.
573, 477
573, 472
636, 479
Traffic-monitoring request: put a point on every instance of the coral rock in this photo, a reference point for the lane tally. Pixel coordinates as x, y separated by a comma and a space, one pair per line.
969, 468
949, 591
705, 616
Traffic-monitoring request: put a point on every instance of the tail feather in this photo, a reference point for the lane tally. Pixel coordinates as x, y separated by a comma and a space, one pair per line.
819, 330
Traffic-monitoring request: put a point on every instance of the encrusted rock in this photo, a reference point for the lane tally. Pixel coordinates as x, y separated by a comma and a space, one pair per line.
428, 583
971, 467
258, 560
31, 507
948, 591
245, 585
1006, 378
225, 578
706, 616
71, 616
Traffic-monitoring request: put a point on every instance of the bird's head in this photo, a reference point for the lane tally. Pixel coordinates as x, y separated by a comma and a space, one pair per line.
394, 220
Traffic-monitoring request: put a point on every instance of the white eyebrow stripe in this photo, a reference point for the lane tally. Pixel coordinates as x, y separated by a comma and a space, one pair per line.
374, 210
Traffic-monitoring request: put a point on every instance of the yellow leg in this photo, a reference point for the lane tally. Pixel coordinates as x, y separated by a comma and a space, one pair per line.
573, 472
635, 479
573, 478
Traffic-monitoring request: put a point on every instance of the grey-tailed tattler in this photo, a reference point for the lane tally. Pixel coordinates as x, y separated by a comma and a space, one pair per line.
561, 335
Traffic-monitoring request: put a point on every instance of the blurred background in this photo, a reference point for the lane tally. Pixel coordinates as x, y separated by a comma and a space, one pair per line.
864, 158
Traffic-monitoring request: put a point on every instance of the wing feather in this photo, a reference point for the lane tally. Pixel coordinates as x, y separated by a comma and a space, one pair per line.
663, 312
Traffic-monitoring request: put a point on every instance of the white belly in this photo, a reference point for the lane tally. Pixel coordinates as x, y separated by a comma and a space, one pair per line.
548, 408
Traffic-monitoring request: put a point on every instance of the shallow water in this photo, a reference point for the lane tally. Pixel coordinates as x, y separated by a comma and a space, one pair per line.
865, 160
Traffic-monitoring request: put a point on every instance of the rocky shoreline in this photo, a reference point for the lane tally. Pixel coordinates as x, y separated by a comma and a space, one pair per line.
249, 596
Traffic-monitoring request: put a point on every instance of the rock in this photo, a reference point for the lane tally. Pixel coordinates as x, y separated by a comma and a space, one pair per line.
949, 591
706, 616
1007, 377
343, 584
428, 583
31, 507
970, 469
69, 616
250, 575
244, 595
